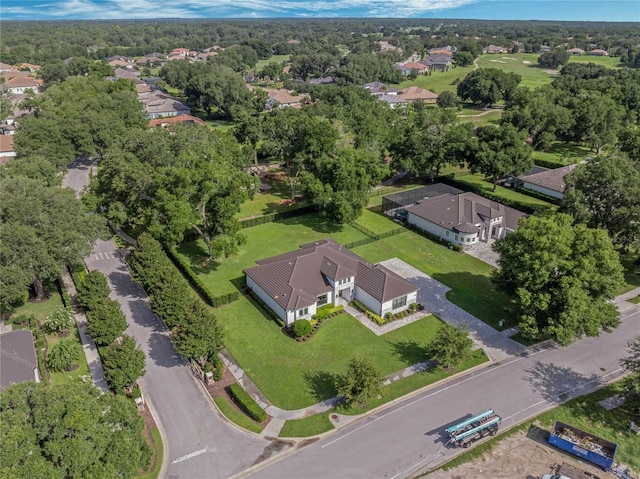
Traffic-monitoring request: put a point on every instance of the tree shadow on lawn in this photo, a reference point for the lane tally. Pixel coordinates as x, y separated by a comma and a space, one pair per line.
558, 384
409, 351
316, 223
321, 384
195, 253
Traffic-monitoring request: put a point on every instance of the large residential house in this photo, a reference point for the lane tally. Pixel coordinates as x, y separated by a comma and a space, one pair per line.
7, 150
379, 88
18, 82
575, 51
549, 182
159, 104
464, 218
19, 360
283, 98
598, 52
414, 93
437, 61
495, 49
295, 284
167, 122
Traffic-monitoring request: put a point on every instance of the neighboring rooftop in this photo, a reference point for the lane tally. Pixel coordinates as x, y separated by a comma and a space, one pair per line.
550, 179
462, 212
18, 361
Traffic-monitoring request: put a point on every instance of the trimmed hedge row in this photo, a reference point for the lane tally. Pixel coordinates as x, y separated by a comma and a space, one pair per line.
327, 311
265, 307
66, 300
260, 220
436, 238
196, 282
536, 194
247, 403
376, 318
530, 209
550, 163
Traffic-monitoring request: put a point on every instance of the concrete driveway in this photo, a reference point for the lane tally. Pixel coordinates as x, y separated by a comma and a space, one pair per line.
433, 296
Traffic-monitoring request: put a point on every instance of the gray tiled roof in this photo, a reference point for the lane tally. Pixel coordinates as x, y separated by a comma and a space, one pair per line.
550, 179
17, 357
464, 211
295, 279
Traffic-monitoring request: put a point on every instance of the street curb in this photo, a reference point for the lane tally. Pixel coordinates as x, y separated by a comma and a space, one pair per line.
163, 435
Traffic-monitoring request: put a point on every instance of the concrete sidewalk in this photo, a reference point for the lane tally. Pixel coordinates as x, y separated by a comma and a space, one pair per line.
498, 343
89, 347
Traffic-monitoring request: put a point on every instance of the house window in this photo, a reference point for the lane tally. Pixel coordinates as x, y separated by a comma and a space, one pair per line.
456, 237
303, 312
447, 233
344, 281
322, 299
399, 302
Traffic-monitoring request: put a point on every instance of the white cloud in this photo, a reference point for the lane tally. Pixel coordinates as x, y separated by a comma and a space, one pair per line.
140, 9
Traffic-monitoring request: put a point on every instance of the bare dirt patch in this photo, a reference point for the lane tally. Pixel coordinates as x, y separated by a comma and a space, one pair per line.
520, 455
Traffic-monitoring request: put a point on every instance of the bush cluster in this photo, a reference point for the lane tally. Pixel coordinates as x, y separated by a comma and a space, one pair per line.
247, 403
197, 284
300, 328
376, 318
327, 311
92, 287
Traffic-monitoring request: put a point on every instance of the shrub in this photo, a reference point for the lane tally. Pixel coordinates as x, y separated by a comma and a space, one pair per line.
93, 289
327, 311
247, 403
389, 316
58, 321
300, 328
106, 322
62, 355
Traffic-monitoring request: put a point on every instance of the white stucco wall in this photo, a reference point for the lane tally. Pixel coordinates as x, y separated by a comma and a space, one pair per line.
369, 301
267, 299
387, 306
543, 190
440, 231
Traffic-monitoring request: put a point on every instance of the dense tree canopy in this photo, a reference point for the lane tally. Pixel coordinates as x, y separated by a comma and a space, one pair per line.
43, 230
605, 193
361, 382
487, 86
69, 431
631, 383
561, 277
124, 363
428, 139
80, 116
169, 183
501, 151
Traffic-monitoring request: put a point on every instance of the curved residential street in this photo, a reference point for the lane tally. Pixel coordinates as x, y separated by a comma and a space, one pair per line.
396, 441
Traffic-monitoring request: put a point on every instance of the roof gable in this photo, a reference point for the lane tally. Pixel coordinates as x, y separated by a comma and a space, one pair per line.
18, 357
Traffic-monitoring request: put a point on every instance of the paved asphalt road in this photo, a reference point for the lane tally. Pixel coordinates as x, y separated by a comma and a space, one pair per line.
409, 436
199, 443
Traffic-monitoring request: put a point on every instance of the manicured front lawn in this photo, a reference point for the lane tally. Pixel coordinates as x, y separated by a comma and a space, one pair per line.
274, 59
468, 277
270, 239
563, 154
295, 375
41, 310
235, 416
376, 222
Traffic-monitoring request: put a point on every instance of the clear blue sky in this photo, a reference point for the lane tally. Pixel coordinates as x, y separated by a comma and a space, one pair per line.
583, 10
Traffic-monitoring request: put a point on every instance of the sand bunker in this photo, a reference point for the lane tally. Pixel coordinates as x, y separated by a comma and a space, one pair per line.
526, 62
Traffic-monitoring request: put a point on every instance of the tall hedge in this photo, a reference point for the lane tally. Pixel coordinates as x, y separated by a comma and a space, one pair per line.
247, 403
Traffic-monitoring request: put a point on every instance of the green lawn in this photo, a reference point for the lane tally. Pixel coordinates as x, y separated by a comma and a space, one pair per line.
43, 309
507, 193
532, 75
439, 81
83, 367
274, 59
631, 271
273, 200
266, 240
491, 118
468, 277
235, 416
308, 426
295, 375
157, 439
563, 154
376, 222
